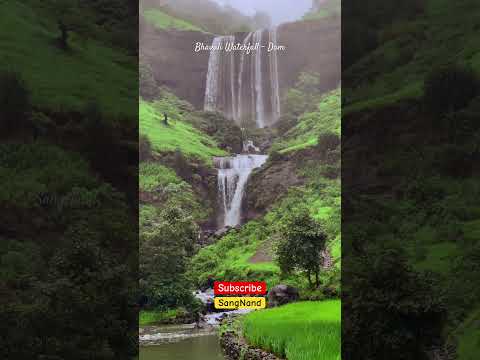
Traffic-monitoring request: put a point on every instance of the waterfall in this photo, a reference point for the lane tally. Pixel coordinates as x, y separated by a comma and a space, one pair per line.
244, 86
233, 173
274, 83
259, 107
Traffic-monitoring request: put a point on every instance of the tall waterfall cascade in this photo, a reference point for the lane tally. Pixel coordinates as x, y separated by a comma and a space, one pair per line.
233, 174
243, 85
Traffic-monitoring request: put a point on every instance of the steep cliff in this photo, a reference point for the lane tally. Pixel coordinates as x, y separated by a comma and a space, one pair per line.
311, 46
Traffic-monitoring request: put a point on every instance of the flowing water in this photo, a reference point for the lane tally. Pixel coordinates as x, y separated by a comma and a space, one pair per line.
186, 341
233, 174
180, 343
243, 85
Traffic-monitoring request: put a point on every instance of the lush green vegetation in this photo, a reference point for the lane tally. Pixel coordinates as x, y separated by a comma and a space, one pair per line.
301, 331
88, 72
164, 21
178, 133
149, 317
401, 52
67, 113
251, 252
412, 85
312, 124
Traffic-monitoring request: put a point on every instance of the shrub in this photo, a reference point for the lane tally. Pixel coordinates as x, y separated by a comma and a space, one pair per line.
14, 102
449, 89
328, 142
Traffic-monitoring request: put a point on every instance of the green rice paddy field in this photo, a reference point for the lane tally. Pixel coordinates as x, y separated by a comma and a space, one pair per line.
299, 331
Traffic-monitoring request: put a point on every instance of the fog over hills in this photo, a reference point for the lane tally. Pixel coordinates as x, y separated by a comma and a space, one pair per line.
279, 10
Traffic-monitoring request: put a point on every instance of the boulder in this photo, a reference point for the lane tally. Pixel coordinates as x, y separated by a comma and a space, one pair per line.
282, 294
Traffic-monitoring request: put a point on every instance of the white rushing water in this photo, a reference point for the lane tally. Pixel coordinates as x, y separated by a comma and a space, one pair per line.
244, 86
259, 106
233, 173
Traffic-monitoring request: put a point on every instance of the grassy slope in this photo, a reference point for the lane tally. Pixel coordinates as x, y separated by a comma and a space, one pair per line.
306, 132
447, 34
410, 49
163, 21
178, 134
299, 331
90, 71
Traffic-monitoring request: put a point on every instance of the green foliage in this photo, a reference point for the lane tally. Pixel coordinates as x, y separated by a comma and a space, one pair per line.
150, 317
302, 241
154, 176
163, 21
179, 134
95, 71
164, 251
391, 298
300, 331
61, 270
396, 67
302, 98
326, 118
449, 89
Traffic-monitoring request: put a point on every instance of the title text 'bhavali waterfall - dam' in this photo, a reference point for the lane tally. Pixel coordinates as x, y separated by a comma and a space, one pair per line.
243, 86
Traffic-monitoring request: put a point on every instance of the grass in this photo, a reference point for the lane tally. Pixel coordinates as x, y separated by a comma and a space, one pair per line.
150, 317
178, 134
61, 80
152, 176
163, 21
305, 134
298, 331
408, 51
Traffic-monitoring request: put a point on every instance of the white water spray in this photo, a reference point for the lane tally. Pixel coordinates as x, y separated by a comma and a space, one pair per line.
233, 173
244, 86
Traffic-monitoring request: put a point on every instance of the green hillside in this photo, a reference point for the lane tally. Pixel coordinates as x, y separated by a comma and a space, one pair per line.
163, 21
178, 133
446, 33
60, 80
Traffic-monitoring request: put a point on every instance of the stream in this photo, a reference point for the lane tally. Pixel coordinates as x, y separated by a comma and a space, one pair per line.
186, 341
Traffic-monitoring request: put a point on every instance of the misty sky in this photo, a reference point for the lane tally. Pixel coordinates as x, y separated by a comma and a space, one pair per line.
279, 10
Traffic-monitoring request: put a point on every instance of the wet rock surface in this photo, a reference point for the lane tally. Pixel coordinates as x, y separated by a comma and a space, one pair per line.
235, 347
282, 294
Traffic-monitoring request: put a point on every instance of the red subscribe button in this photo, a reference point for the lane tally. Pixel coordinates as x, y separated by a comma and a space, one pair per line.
240, 288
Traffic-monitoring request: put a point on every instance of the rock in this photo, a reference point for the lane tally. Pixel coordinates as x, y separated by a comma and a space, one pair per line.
235, 348
281, 295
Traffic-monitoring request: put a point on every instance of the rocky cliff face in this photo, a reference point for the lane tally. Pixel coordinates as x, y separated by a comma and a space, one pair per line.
174, 63
312, 46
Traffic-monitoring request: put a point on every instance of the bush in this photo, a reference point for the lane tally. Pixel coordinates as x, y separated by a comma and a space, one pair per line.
14, 102
328, 142
449, 89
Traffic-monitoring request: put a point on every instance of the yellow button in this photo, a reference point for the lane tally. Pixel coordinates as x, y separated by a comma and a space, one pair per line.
233, 303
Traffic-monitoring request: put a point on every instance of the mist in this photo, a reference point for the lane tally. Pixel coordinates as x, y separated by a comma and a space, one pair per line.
279, 10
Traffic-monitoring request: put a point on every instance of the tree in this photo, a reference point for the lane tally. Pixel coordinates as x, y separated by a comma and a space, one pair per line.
69, 18
164, 253
302, 240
